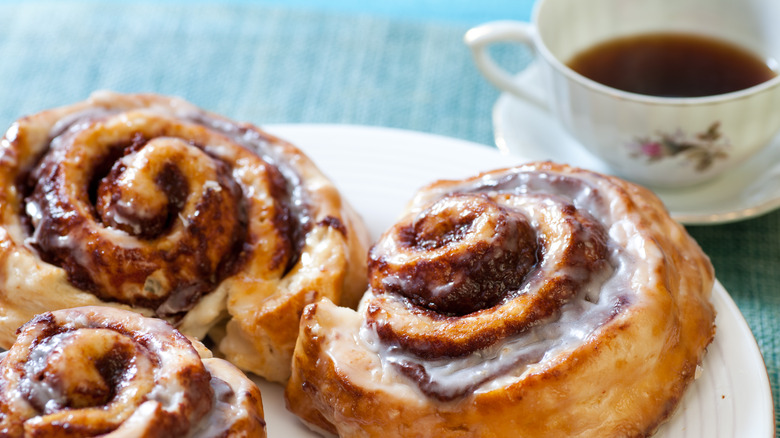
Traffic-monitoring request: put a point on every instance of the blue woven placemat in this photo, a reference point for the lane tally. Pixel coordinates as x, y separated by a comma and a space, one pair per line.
273, 64
261, 64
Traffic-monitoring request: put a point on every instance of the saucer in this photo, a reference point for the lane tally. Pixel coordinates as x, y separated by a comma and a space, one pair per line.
749, 190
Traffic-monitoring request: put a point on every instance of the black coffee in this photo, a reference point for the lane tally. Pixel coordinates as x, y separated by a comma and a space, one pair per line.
672, 65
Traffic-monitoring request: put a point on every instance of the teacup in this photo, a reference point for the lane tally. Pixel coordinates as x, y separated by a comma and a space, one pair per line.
657, 141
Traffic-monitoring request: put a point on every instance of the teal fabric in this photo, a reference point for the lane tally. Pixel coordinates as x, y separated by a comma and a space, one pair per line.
462, 11
398, 64
262, 64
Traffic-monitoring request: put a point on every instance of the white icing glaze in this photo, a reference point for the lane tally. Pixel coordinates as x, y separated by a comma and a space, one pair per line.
40, 392
232, 400
577, 319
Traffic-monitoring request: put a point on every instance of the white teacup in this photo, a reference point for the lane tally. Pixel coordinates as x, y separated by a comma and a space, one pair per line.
656, 141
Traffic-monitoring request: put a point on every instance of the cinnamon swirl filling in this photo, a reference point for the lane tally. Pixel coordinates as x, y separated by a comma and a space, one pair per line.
484, 266
462, 254
150, 211
94, 371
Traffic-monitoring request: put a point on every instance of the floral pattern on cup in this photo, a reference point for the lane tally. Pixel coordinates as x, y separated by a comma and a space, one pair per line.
703, 149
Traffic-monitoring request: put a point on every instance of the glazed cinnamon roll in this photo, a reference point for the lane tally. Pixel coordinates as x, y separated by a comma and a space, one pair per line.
149, 203
541, 300
99, 371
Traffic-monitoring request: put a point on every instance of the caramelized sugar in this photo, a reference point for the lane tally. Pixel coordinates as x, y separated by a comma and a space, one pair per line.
672, 65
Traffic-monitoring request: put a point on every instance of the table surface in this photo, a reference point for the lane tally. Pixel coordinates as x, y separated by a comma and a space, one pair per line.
395, 63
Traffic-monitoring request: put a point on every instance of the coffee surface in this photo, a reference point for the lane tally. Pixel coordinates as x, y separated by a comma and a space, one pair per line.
672, 65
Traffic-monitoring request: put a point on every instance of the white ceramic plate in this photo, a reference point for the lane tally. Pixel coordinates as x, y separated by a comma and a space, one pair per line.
751, 189
379, 169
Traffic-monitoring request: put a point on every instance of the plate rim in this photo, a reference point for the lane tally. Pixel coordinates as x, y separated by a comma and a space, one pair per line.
719, 292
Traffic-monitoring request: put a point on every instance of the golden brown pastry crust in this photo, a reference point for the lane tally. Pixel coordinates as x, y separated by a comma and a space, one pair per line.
148, 202
600, 344
100, 371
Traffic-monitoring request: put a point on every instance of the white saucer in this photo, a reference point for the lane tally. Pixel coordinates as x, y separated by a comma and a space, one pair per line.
749, 190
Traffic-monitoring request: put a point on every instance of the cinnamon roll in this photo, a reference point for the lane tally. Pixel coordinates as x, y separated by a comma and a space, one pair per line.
149, 203
99, 371
541, 300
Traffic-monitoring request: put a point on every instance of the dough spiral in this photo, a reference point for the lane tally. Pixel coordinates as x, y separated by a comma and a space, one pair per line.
541, 300
150, 203
98, 371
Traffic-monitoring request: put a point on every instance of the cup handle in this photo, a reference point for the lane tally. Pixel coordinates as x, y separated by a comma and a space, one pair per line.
481, 37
